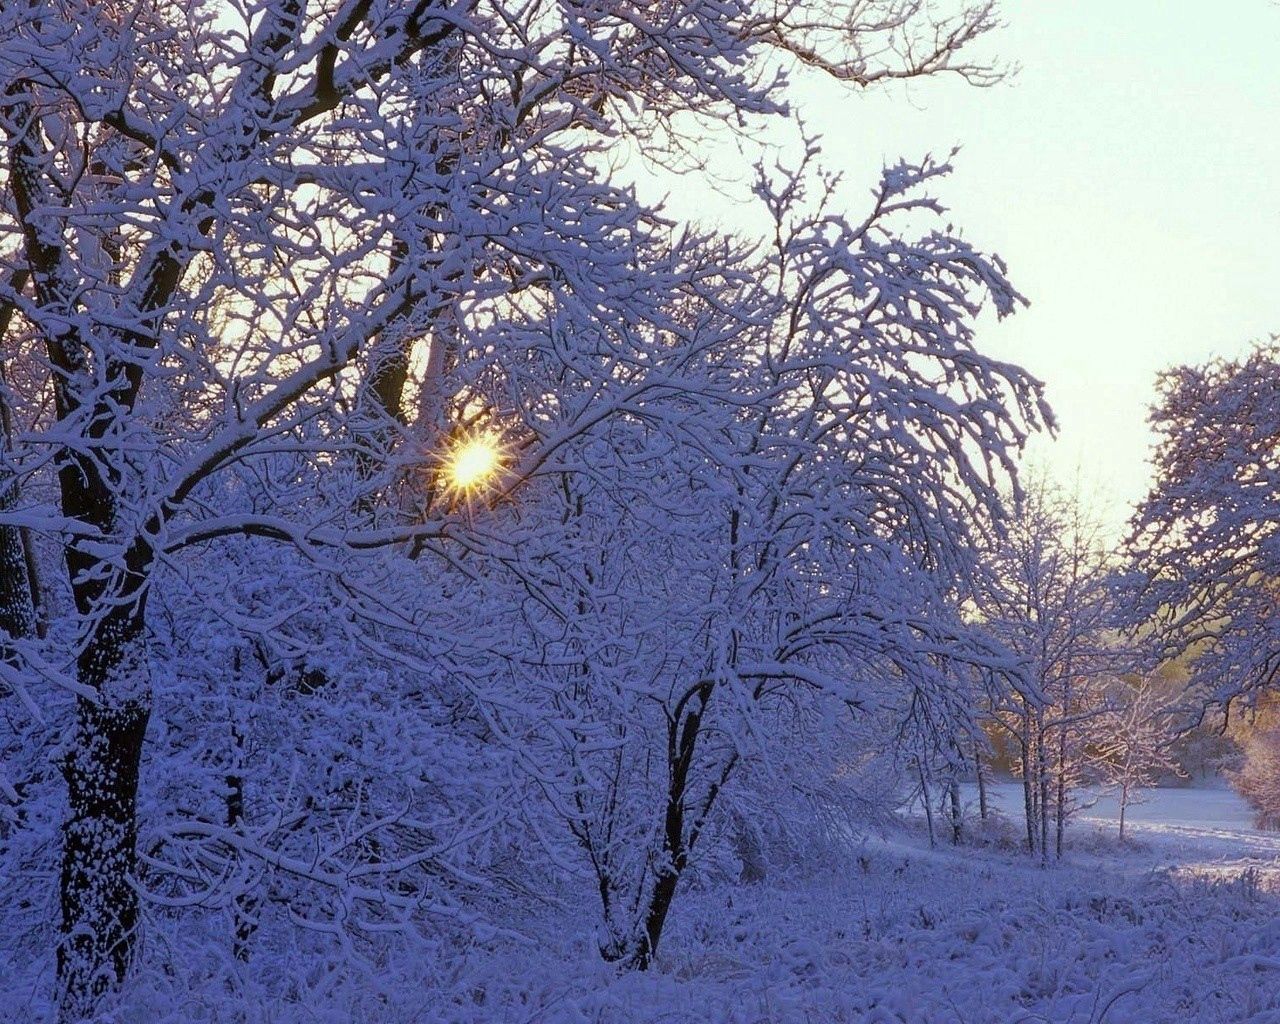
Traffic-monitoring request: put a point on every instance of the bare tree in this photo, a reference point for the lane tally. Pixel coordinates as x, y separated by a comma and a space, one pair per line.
1047, 594
1133, 751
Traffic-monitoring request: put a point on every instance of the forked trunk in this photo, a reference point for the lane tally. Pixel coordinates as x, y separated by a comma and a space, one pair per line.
681, 826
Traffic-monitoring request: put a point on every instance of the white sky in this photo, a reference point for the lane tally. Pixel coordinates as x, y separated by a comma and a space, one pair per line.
1129, 173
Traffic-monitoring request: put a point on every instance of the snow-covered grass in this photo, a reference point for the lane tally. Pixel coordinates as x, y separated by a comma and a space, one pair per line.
887, 931
1197, 807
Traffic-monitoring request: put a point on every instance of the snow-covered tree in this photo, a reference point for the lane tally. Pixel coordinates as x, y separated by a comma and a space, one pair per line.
1047, 595
808, 576
266, 268
1204, 543
1133, 750
1257, 776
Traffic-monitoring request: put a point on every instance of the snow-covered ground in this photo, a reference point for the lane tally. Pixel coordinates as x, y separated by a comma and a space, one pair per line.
1216, 807
1180, 927
1205, 829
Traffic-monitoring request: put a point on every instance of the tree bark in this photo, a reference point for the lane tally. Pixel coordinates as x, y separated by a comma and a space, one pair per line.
1060, 810
1042, 776
243, 904
680, 827
747, 845
675, 854
957, 819
17, 604
17, 612
1028, 787
98, 901
981, 773
927, 799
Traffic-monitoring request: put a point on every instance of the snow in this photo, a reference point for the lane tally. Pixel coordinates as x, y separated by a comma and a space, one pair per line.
352, 744
882, 931
1203, 828
1212, 807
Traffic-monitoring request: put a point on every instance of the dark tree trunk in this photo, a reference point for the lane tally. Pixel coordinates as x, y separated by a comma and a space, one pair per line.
747, 845
17, 604
1061, 808
981, 772
659, 905
674, 844
957, 819
1042, 777
99, 903
99, 855
243, 924
243, 905
1028, 789
17, 612
681, 826
927, 798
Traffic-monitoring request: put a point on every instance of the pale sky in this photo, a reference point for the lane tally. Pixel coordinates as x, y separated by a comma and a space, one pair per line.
1129, 173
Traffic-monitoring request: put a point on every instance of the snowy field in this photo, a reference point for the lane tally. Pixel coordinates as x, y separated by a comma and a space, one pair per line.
1215, 807
1181, 926
1207, 829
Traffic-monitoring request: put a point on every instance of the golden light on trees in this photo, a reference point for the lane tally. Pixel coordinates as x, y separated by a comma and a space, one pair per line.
473, 462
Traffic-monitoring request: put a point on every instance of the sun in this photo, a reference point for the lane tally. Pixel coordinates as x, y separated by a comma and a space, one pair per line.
473, 462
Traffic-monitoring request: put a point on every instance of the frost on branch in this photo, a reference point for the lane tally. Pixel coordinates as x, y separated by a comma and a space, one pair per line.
1205, 540
261, 267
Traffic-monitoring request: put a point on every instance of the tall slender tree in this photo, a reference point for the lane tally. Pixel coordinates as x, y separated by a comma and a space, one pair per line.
1048, 595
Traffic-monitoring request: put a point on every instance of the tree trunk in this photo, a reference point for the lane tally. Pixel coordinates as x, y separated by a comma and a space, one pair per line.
1060, 811
675, 852
17, 604
99, 902
656, 919
1042, 778
981, 773
92, 397
243, 905
925, 797
748, 847
1063, 746
680, 830
17, 612
957, 819
1028, 790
